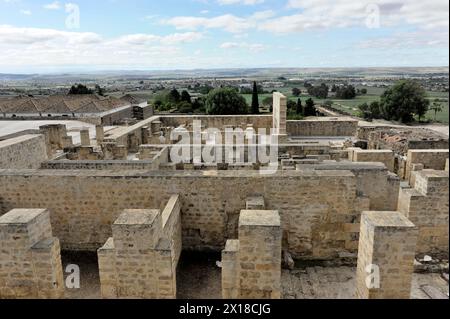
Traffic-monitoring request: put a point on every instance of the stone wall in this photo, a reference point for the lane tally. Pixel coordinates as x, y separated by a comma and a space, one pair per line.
431, 159
318, 208
30, 260
27, 151
140, 260
251, 266
386, 254
382, 156
99, 165
426, 205
323, 127
218, 121
372, 180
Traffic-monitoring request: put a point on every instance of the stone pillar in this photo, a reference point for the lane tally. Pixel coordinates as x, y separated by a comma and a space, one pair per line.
99, 134
386, 256
30, 260
67, 141
279, 113
85, 138
108, 150
251, 266
260, 254
230, 272
141, 259
120, 152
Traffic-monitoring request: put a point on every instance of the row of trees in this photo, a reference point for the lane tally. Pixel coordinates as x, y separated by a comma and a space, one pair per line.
296, 110
402, 102
182, 102
83, 89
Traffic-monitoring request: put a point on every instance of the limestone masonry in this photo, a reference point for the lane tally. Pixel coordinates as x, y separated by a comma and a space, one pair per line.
146, 199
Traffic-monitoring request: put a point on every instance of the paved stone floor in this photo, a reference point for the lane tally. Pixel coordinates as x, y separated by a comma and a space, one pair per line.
199, 277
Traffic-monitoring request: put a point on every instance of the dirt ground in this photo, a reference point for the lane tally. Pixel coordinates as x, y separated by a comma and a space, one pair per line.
199, 277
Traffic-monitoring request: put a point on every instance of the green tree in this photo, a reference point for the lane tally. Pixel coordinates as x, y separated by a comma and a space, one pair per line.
174, 96
185, 97
310, 109
255, 99
404, 100
79, 89
98, 90
296, 92
299, 108
436, 107
225, 101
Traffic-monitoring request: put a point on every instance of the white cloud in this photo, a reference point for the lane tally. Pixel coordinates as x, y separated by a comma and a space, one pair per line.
327, 14
42, 47
53, 6
26, 12
401, 40
253, 47
227, 22
245, 2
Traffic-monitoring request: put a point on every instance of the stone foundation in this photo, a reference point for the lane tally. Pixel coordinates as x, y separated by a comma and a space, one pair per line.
30, 260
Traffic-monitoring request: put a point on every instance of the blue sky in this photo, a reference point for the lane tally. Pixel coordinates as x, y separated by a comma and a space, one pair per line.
54, 36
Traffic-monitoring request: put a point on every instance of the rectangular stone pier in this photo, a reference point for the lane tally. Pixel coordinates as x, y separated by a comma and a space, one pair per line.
30, 260
386, 256
141, 259
251, 266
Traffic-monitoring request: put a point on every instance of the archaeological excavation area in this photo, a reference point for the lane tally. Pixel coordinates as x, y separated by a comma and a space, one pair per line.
339, 202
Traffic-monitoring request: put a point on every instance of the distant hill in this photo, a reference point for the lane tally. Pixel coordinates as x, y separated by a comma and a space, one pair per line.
229, 73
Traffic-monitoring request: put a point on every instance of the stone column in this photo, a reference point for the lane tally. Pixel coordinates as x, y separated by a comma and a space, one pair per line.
85, 138
30, 260
386, 256
279, 113
260, 254
99, 134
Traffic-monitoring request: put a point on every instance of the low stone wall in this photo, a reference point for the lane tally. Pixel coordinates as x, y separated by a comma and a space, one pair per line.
100, 165
382, 156
323, 127
27, 151
219, 122
372, 180
318, 208
426, 205
431, 159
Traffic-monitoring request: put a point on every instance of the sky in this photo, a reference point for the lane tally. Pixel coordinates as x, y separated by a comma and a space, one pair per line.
45, 36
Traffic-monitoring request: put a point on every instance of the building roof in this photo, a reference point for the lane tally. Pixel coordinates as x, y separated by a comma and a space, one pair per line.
61, 104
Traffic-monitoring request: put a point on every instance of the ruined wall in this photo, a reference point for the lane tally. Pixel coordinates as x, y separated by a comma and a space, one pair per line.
30, 260
141, 259
387, 244
431, 159
318, 208
426, 205
27, 151
322, 127
372, 179
219, 121
251, 266
382, 156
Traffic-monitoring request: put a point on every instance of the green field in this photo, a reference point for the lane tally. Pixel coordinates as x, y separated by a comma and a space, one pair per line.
351, 106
